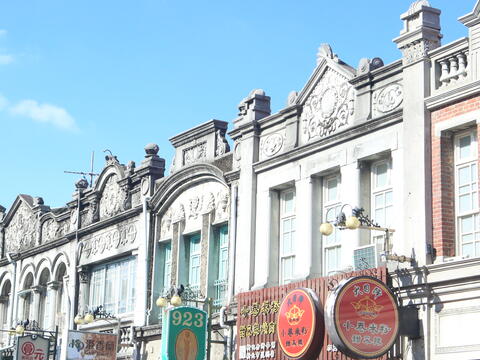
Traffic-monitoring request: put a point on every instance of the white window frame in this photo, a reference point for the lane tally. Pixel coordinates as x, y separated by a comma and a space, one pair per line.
459, 163
378, 191
99, 274
287, 216
330, 209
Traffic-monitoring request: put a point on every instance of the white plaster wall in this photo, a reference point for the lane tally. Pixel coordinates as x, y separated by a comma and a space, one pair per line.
299, 173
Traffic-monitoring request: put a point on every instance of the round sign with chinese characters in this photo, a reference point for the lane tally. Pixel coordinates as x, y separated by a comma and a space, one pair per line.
299, 326
361, 316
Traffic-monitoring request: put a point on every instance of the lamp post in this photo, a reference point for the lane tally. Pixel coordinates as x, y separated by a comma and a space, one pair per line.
359, 220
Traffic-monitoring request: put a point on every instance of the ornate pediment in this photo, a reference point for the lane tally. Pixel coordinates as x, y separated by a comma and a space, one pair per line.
329, 106
22, 230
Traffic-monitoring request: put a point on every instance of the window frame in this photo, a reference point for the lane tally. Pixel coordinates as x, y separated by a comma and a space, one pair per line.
327, 206
474, 212
284, 217
375, 237
116, 285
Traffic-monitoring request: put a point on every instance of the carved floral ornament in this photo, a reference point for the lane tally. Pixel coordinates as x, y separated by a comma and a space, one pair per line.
388, 98
271, 144
329, 106
21, 232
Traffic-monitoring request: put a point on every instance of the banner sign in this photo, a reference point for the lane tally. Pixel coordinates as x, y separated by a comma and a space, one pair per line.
362, 317
184, 334
299, 326
84, 345
32, 347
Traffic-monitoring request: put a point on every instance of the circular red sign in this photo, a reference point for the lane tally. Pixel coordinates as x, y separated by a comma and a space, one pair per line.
298, 324
362, 317
28, 348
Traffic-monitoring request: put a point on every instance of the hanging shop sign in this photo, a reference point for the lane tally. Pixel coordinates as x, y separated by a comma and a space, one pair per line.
32, 347
86, 345
184, 334
300, 327
361, 317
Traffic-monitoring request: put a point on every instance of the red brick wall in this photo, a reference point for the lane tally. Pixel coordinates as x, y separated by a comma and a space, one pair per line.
443, 189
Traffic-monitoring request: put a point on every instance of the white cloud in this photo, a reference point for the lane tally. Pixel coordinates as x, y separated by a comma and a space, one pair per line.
3, 102
3, 32
6, 59
45, 113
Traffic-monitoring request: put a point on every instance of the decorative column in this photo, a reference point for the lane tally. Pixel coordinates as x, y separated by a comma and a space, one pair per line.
83, 276
52, 292
37, 292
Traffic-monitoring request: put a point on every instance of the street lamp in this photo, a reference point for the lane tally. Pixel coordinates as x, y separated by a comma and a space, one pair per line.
359, 220
174, 297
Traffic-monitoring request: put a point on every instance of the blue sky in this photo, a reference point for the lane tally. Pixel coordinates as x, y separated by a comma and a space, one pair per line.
83, 76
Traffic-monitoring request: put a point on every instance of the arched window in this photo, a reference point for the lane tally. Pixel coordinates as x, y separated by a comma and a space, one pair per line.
4, 308
45, 297
60, 306
26, 295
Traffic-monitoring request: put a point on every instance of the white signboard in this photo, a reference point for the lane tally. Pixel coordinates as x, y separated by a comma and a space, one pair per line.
84, 345
32, 347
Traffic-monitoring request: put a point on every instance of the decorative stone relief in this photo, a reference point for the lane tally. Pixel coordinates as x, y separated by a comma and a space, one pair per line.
329, 106
237, 151
222, 210
195, 153
179, 214
21, 232
221, 147
113, 238
111, 200
209, 203
73, 219
49, 230
388, 98
136, 198
418, 50
93, 212
195, 205
166, 225
271, 144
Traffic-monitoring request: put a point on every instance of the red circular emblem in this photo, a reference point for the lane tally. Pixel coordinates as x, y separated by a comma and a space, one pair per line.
362, 317
298, 324
28, 348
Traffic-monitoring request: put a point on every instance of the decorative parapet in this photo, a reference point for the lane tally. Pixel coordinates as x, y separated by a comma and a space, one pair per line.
203, 143
450, 66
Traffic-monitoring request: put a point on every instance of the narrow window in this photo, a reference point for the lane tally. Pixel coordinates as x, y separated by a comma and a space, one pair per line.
287, 235
332, 245
466, 194
381, 197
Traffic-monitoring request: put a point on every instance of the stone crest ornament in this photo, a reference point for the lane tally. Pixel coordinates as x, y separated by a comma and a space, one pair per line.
209, 203
388, 98
179, 214
329, 107
271, 144
111, 200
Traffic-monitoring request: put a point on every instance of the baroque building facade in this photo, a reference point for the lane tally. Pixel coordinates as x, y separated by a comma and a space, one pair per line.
400, 140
